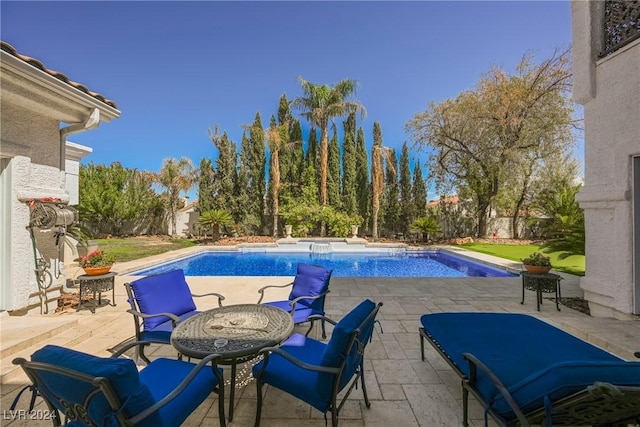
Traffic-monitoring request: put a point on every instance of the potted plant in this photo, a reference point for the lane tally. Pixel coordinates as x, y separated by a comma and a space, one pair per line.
537, 263
96, 262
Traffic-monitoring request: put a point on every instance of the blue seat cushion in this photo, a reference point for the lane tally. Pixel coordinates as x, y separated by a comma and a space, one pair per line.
121, 373
163, 293
162, 376
162, 332
300, 315
311, 280
336, 347
297, 381
565, 378
512, 346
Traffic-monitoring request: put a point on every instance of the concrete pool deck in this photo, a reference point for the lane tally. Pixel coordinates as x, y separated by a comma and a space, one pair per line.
404, 390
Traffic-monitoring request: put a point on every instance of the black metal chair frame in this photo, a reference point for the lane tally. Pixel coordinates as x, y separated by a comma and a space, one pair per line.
337, 372
138, 318
600, 404
294, 301
75, 411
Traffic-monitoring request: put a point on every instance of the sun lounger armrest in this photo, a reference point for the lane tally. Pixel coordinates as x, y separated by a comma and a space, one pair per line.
474, 365
220, 297
261, 290
174, 319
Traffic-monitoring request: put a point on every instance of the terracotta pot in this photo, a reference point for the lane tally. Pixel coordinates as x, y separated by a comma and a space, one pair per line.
96, 271
537, 269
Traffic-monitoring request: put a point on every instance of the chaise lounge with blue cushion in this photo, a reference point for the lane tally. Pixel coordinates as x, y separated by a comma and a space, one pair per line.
527, 372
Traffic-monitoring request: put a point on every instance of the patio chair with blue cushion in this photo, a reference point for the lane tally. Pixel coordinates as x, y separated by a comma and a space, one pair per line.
316, 372
308, 291
527, 372
95, 391
158, 303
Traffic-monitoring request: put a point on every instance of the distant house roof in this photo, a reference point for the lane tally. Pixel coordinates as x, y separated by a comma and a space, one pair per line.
6, 47
446, 199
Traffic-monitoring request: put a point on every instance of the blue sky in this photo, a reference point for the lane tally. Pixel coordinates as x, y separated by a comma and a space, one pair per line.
176, 69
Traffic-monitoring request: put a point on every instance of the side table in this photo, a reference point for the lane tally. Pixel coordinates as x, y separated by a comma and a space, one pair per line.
540, 283
92, 285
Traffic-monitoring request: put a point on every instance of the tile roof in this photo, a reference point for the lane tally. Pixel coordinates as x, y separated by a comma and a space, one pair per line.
6, 47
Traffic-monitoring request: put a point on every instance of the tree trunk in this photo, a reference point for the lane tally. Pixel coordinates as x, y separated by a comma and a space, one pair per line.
374, 221
482, 218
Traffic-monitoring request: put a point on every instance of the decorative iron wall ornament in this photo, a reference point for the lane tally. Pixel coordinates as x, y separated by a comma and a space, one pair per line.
621, 24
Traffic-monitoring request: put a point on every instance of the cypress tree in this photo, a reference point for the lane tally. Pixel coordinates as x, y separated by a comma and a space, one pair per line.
296, 168
377, 178
257, 162
406, 207
225, 172
363, 189
333, 173
241, 190
349, 179
419, 190
391, 193
205, 186
313, 160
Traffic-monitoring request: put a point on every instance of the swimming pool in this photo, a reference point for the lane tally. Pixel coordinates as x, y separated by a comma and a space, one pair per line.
407, 264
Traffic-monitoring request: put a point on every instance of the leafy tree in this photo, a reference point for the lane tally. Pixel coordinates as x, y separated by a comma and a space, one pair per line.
205, 185
113, 196
475, 137
319, 105
407, 208
426, 225
333, 175
175, 176
363, 185
349, 178
214, 219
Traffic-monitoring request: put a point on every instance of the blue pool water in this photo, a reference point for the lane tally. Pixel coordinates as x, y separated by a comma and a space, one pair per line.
408, 264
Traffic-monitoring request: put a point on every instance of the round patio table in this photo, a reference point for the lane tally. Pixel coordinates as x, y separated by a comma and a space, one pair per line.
236, 332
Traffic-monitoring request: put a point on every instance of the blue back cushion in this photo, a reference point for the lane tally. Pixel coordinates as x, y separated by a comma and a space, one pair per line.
310, 280
163, 293
512, 346
337, 345
121, 373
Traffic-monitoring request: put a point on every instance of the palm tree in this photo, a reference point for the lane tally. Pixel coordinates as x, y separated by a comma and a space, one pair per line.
175, 176
426, 225
319, 105
277, 137
214, 219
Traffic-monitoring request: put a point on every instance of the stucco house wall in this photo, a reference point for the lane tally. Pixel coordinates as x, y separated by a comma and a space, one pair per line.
36, 104
609, 90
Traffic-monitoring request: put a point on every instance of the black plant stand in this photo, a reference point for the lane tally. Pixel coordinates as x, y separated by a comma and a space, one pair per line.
540, 283
92, 285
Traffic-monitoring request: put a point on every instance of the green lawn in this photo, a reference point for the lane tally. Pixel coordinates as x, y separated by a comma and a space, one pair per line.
572, 265
130, 248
